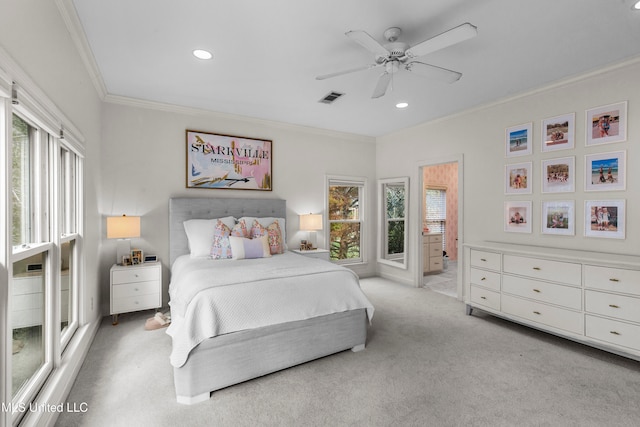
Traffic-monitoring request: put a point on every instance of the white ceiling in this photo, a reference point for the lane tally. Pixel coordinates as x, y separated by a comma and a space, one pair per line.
268, 53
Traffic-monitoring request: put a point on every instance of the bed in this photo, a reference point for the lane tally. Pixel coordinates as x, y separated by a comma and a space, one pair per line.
235, 320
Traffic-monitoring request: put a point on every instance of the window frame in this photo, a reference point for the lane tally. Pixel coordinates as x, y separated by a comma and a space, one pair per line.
362, 184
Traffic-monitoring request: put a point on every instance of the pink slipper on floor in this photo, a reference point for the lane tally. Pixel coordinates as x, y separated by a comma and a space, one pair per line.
155, 323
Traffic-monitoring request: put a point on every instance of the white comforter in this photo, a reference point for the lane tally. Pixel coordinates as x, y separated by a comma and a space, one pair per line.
215, 297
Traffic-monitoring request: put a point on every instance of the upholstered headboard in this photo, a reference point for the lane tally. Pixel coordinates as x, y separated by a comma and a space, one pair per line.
185, 208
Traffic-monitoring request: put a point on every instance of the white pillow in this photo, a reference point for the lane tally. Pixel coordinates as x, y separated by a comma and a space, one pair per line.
200, 234
243, 248
267, 221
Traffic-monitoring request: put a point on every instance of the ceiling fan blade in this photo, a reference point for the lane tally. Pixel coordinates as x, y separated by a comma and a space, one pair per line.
455, 35
368, 42
433, 72
381, 87
352, 70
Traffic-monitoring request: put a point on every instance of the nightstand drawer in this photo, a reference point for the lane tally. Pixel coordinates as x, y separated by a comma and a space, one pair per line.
133, 274
134, 289
135, 303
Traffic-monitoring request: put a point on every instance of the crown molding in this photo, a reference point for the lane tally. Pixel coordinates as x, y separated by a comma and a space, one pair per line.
191, 111
74, 26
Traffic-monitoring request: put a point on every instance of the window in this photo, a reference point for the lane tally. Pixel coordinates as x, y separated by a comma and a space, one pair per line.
346, 220
23, 136
436, 208
392, 206
43, 265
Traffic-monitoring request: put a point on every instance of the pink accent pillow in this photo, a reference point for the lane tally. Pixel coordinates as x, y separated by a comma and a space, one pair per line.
220, 247
274, 233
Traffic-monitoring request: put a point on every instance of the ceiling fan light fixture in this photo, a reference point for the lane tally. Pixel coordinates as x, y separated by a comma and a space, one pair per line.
401, 105
202, 54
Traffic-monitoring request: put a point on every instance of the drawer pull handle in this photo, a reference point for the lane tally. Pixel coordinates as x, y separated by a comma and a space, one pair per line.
613, 279
536, 290
483, 297
536, 312
136, 289
484, 278
483, 259
614, 333
537, 268
614, 306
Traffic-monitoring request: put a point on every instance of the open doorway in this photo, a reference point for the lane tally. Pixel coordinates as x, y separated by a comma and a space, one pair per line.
441, 225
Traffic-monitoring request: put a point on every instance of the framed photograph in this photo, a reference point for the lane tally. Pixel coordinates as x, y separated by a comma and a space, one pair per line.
605, 171
136, 256
228, 162
604, 218
558, 132
517, 178
126, 260
607, 124
517, 217
519, 140
558, 175
558, 217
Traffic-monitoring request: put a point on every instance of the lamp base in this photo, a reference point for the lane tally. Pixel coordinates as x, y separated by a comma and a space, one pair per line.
123, 248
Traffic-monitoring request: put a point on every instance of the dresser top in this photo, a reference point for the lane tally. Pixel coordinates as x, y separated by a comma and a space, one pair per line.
560, 254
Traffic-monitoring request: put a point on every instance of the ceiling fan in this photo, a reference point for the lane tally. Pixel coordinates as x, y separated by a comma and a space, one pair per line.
395, 54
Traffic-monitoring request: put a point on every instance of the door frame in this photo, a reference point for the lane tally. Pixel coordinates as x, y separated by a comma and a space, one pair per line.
455, 158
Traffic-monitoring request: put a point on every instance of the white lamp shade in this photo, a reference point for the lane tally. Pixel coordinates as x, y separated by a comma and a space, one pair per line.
123, 227
310, 222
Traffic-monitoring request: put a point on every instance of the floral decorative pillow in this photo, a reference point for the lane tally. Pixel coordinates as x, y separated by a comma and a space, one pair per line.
220, 246
274, 234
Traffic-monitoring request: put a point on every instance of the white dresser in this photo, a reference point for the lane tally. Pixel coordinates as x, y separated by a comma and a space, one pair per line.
135, 288
590, 297
432, 252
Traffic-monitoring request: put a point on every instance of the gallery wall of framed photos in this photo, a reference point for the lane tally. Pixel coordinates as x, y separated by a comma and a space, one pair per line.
552, 159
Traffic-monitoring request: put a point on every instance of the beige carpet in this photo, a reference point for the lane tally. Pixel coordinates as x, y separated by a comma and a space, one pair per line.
426, 364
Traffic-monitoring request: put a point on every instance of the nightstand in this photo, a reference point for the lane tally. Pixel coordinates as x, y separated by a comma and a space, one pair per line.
135, 288
314, 253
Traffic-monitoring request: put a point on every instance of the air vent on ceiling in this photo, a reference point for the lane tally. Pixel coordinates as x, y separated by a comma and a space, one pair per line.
331, 97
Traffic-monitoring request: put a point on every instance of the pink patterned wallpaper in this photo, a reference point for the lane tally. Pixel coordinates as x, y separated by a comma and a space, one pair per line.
446, 175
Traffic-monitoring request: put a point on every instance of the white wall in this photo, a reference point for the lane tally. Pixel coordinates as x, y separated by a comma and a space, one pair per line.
479, 136
144, 159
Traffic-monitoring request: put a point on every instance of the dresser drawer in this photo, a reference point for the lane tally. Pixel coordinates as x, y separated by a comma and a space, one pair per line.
488, 279
614, 332
485, 297
135, 303
433, 238
435, 250
612, 279
133, 274
555, 317
134, 289
483, 259
618, 306
565, 272
435, 263
565, 296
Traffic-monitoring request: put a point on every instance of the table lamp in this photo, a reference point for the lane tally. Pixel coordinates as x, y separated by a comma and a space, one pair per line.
123, 228
311, 223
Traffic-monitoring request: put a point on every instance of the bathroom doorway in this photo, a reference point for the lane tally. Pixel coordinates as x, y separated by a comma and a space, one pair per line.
441, 225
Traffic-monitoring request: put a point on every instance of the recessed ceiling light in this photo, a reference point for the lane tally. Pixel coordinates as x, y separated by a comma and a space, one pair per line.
402, 105
202, 54
636, 6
